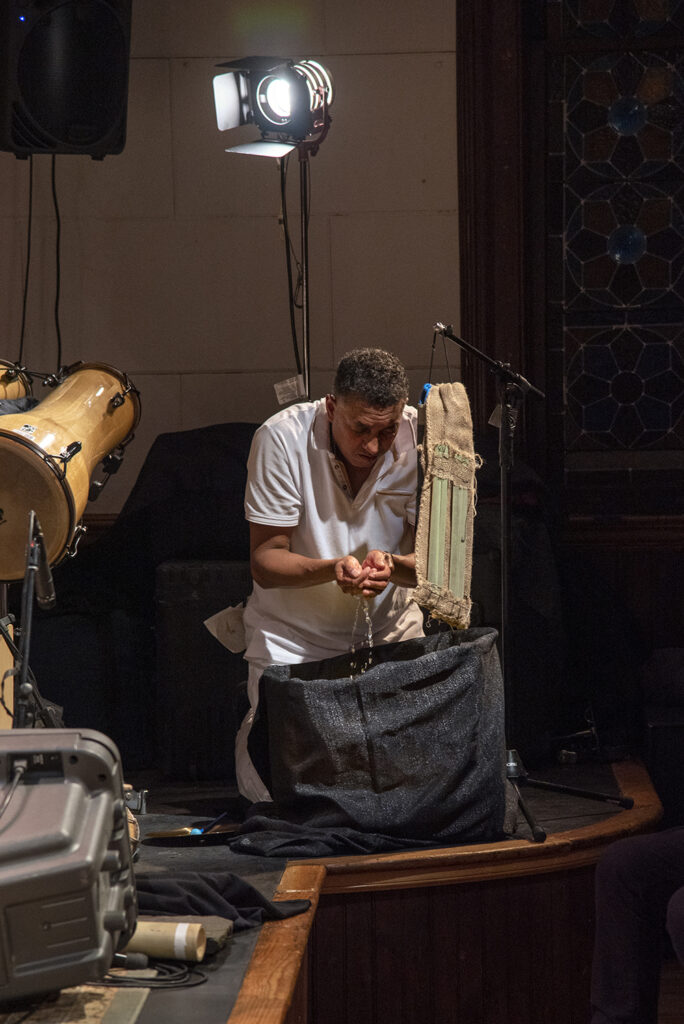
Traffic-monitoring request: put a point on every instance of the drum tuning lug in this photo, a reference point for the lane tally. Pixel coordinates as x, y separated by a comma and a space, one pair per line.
68, 453
117, 400
52, 380
112, 462
95, 488
71, 449
72, 550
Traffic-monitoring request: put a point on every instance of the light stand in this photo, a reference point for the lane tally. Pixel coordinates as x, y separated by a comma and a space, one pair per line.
303, 155
289, 101
512, 388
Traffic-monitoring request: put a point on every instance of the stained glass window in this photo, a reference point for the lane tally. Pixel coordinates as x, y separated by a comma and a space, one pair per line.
618, 178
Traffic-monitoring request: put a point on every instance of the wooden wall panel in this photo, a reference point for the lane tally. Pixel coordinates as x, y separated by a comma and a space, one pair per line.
515, 950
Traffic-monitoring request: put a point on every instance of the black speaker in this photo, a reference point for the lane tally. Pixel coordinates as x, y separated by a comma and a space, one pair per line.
64, 76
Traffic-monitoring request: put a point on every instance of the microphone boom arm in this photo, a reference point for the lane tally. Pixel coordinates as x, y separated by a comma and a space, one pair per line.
502, 370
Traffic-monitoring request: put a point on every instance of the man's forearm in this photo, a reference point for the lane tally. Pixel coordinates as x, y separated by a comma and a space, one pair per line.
278, 567
404, 572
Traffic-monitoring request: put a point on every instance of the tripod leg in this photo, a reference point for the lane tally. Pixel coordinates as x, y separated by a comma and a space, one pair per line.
538, 833
590, 794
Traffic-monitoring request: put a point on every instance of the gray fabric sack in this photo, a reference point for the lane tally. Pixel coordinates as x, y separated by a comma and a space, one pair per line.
412, 747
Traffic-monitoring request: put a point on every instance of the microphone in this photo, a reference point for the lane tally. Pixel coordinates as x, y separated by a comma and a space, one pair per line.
45, 587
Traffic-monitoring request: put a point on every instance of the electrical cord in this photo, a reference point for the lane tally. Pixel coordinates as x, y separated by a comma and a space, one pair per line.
25, 1012
44, 711
28, 263
289, 255
432, 356
169, 975
58, 268
19, 772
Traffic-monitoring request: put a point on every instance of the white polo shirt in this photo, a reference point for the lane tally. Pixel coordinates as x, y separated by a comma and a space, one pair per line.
294, 480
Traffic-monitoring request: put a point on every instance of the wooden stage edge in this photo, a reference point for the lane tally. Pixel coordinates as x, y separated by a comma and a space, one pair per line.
269, 993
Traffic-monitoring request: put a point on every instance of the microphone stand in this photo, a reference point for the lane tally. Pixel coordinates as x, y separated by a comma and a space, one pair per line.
512, 389
27, 697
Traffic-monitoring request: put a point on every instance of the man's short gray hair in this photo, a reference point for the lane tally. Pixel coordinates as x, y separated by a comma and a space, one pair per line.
375, 376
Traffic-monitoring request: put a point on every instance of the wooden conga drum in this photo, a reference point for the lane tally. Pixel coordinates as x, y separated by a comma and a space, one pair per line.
13, 382
48, 454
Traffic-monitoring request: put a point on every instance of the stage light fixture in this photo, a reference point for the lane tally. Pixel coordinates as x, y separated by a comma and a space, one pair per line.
288, 101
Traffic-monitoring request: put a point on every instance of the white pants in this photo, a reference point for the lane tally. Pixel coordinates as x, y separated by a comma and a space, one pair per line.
249, 781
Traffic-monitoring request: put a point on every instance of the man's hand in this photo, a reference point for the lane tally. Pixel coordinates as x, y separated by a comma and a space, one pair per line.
349, 575
367, 580
380, 565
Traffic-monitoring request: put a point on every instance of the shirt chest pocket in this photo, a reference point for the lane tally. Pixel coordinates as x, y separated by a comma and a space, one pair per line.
397, 503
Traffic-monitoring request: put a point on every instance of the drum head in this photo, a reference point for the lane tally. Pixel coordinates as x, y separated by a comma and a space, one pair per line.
28, 482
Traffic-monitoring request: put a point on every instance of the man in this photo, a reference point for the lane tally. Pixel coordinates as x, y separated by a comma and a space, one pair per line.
331, 503
639, 903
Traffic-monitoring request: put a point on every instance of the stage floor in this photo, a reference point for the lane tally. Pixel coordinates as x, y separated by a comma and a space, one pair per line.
175, 805
282, 972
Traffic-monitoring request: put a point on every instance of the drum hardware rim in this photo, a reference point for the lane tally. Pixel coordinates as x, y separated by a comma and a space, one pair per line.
16, 372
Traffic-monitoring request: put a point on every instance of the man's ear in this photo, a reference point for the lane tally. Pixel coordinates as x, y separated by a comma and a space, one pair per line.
330, 406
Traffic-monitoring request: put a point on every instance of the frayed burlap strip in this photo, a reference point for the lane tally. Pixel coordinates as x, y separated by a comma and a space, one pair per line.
447, 453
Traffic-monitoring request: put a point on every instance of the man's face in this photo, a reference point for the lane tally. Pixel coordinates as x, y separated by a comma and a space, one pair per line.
361, 432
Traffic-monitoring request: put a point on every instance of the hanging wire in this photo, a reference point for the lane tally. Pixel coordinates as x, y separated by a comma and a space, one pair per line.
446, 359
290, 255
432, 356
28, 264
58, 267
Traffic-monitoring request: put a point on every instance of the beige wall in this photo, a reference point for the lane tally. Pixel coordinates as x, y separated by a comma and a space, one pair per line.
173, 265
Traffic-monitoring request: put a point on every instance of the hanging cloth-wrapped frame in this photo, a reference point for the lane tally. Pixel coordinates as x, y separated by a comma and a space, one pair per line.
444, 535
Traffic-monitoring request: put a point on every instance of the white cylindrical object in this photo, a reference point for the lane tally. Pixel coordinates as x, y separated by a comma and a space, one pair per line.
169, 940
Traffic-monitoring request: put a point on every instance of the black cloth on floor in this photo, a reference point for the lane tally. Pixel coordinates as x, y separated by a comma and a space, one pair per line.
221, 894
263, 836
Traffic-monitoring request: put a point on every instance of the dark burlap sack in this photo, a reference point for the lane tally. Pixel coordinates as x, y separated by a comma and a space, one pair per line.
412, 747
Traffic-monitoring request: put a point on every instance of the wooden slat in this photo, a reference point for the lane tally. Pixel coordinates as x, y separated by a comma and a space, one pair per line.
359, 993
269, 984
329, 944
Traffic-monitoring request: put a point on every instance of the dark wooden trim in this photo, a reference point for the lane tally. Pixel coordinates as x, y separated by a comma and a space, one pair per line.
97, 524
506, 859
665, 533
270, 984
363, 899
